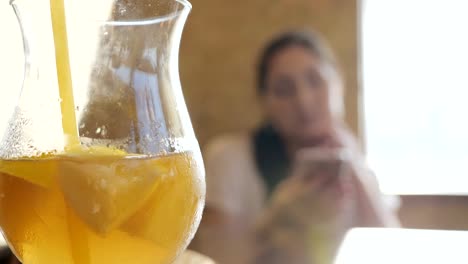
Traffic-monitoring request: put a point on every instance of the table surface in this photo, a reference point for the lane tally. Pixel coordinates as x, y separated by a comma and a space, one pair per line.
385, 246
403, 246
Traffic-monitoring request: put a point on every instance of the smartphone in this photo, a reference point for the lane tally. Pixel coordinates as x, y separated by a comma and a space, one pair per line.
322, 162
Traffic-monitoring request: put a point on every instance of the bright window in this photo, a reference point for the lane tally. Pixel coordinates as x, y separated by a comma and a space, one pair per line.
415, 78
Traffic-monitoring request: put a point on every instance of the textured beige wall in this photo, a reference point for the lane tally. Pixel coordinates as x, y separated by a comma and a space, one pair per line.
221, 43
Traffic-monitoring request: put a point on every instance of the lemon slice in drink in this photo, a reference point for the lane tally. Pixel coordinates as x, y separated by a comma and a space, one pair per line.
105, 186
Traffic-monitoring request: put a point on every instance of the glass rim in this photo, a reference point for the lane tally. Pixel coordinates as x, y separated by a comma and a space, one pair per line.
187, 6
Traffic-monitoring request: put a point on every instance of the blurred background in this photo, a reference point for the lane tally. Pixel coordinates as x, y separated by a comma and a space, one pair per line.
406, 89
220, 49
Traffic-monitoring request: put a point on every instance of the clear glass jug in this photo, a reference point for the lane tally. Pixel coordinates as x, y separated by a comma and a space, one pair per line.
99, 162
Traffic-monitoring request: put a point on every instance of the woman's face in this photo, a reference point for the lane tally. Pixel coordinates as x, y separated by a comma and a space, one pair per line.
297, 97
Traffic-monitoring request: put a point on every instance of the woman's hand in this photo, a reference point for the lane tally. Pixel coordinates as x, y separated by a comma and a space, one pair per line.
328, 192
323, 187
310, 211
320, 191
331, 187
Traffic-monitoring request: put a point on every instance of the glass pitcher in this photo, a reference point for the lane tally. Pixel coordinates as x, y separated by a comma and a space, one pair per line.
99, 162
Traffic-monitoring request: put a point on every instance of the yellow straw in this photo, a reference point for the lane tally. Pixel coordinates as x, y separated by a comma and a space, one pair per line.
63, 73
78, 241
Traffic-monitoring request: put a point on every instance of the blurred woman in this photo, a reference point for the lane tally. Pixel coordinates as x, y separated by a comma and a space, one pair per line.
266, 200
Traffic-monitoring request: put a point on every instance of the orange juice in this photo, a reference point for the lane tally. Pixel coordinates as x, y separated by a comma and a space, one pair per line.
100, 208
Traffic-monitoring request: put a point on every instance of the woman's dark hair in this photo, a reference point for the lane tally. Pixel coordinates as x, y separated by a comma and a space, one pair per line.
306, 39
